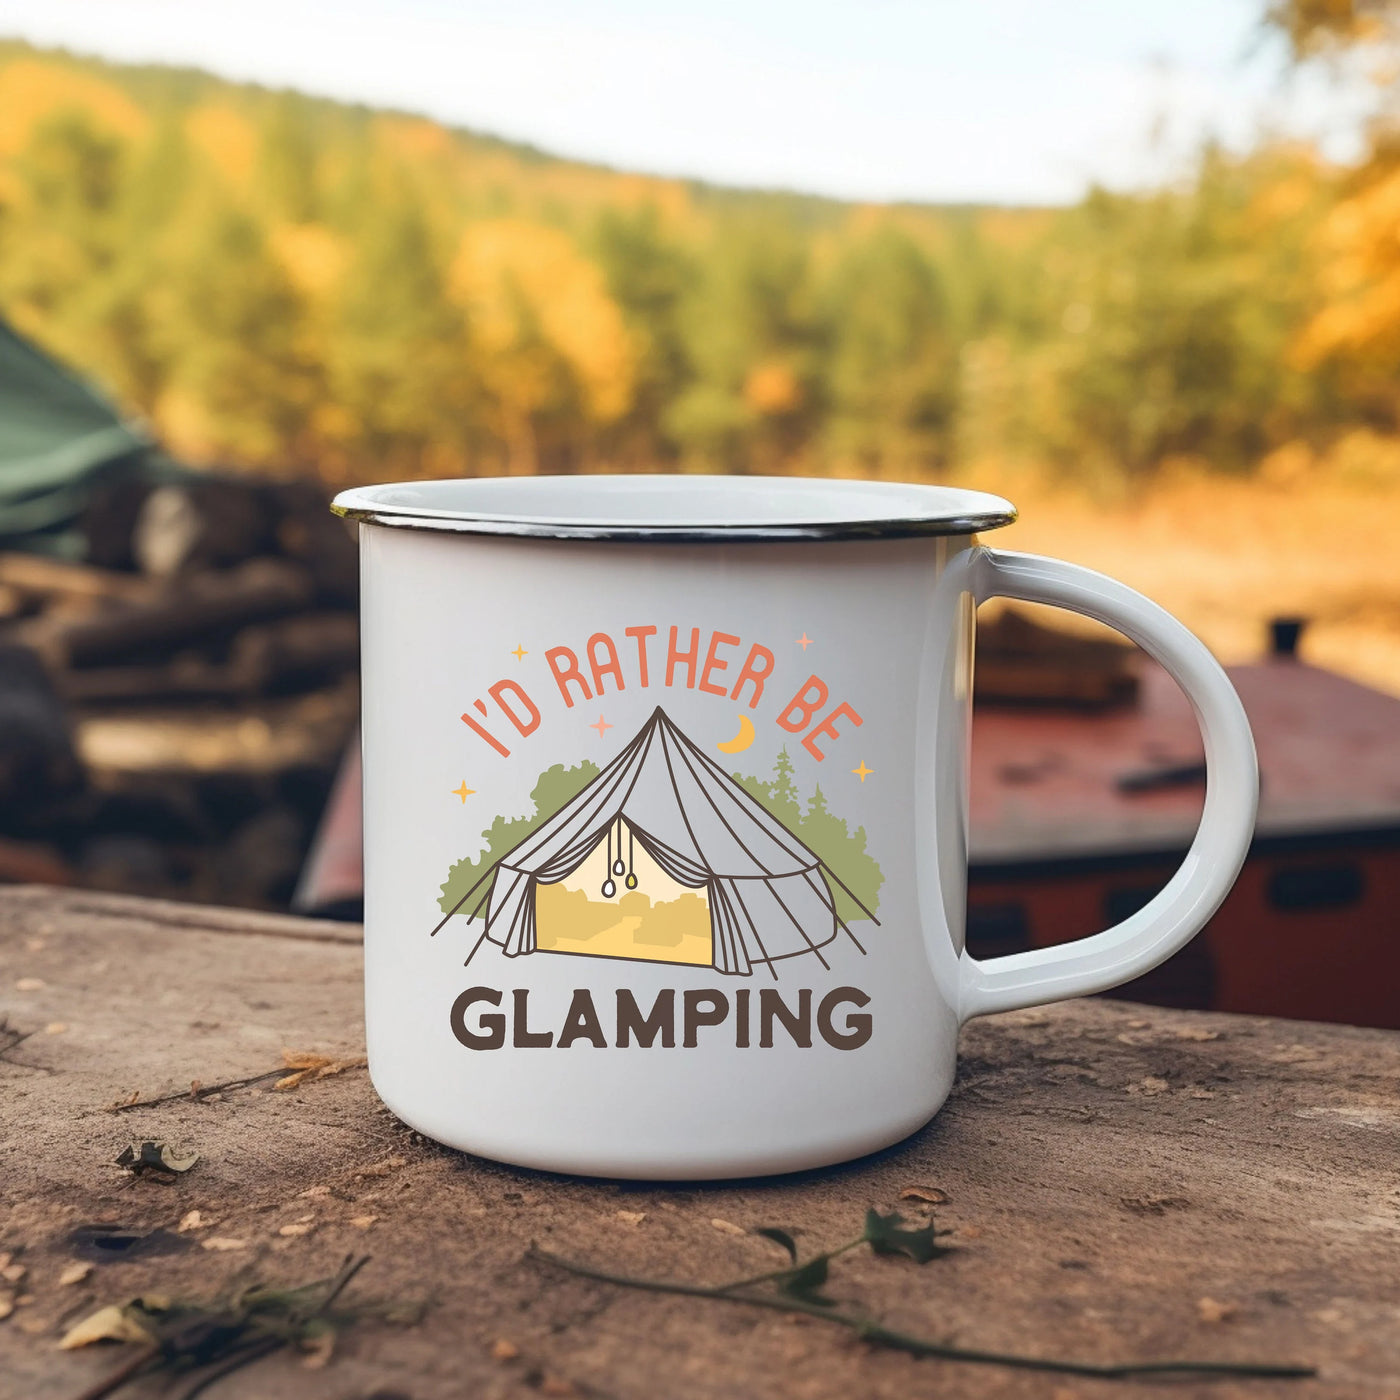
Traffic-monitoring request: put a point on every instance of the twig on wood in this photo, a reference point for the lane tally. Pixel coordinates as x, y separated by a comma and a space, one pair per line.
297, 1067
114, 1380
196, 1091
254, 1352
10, 1036
794, 1294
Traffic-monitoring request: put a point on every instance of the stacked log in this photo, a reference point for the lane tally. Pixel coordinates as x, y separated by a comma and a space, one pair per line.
221, 608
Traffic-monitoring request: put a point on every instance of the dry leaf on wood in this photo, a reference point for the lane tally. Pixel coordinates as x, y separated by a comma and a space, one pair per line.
931, 1195
74, 1273
161, 1159
305, 1065
109, 1324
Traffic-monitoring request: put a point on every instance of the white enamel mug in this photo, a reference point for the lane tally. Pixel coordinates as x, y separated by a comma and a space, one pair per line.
665, 795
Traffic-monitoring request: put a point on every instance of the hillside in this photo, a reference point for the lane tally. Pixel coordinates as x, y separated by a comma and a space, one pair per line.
253, 271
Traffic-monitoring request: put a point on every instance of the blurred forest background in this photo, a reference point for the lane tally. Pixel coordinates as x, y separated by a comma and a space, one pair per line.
1196, 388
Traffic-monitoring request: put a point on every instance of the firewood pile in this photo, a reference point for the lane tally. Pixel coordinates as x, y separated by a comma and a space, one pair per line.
173, 708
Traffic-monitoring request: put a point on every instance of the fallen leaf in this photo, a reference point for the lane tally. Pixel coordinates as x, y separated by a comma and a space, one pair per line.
1139, 1025
363, 1222
156, 1157
930, 1194
74, 1273
503, 1350
223, 1243
7, 1306
109, 1324
1211, 1311
307, 1065
55, 1028
885, 1234
1195, 1033
192, 1220
805, 1283
300, 1227
12, 1273
30, 984
727, 1227
632, 1217
782, 1238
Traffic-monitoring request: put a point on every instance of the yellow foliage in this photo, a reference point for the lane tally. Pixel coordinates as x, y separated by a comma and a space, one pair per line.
314, 257
413, 136
227, 138
772, 388
521, 284
1360, 275
32, 90
185, 425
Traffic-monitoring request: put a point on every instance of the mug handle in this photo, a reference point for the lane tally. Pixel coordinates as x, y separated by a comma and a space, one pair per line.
1177, 913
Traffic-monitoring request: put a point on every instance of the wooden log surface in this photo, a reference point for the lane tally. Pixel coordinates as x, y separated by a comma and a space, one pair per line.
1123, 1184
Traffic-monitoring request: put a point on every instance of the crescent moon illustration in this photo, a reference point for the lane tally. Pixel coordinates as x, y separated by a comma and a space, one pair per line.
742, 739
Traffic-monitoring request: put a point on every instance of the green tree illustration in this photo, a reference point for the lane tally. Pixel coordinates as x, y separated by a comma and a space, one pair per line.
825, 834
555, 787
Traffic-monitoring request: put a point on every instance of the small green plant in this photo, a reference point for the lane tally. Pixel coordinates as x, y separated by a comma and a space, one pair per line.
209, 1340
798, 1288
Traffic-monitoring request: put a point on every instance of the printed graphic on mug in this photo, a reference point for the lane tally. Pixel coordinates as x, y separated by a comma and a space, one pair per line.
663, 856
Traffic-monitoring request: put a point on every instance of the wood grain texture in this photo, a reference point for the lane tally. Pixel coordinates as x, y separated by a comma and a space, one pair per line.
1108, 1167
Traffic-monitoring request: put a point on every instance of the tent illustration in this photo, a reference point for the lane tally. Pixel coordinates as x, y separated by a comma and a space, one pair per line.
769, 896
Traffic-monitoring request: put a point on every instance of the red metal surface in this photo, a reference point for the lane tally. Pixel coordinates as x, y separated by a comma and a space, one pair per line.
1044, 783
333, 880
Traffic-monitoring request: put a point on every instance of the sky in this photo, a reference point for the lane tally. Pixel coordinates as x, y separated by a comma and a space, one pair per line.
1007, 101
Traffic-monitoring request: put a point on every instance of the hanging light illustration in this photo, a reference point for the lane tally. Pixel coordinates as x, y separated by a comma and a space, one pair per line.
609, 888
615, 864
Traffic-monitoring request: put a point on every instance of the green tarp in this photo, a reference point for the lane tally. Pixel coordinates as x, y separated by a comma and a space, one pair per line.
59, 440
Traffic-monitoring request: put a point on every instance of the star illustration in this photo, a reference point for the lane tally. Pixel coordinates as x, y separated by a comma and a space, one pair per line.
463, 792
804, 641
519, 653
600, 726
862, 772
